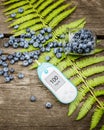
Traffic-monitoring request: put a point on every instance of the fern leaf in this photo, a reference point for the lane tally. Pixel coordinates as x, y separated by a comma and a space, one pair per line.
16, 5
38, 3
62, 29
89, 61
29, 24
86, 107
60, 17
25, 7
35, 27
98, 113
44, 5
82, 92
51, 7
10, 2
23, 19
55, 12
32, 1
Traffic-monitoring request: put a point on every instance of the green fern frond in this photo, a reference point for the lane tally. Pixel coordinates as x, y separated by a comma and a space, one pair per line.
87, 105
55, 12
51, 7
16, 5
36, 5
89, 61
10, 2
98, 113
60, 17
83, 91
102, 128
44, 5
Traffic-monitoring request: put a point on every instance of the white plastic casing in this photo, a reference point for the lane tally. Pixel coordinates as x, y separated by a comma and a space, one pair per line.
56, 82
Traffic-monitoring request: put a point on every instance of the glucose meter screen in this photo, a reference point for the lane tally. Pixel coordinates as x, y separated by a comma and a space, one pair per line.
55, 80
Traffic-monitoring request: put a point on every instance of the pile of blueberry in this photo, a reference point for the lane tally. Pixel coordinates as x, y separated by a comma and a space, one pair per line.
83, 42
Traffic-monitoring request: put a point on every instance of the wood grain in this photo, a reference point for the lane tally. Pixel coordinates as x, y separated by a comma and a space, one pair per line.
16, 110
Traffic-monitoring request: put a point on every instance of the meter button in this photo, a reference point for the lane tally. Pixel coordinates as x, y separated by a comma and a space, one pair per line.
46, 71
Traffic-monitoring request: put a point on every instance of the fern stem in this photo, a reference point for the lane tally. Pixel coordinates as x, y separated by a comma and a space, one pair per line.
85, 82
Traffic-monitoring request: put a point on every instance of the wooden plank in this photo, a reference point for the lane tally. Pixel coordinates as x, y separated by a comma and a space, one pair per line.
91, 9
17, 112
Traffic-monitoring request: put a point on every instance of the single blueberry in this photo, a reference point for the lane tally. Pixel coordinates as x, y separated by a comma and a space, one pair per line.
47, 58
7, 79
47, 49
13, 15
1, 62
5, 69
42, 49
3, 58
15, 45
36, 57
32, 32
10, 56
35, 44
21, 44
25, 63
11, 70
20, 10
50, 35
42, 31
49, 30
1, 72
11, 77
6, 45
16, 59
58, 55
32, 98
4, 64
62, 36
46, 37
30, 61
1, 52
87, 50
16, 26
18, 54
1, 35
12, 61
5, 74
20, 75
48, 105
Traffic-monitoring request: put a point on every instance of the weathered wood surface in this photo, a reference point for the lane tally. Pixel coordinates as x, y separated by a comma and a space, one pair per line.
17, 112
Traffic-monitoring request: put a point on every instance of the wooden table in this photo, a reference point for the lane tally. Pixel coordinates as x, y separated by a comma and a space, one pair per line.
16, 110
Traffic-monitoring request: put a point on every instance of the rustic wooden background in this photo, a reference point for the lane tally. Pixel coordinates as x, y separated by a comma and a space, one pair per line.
16, 110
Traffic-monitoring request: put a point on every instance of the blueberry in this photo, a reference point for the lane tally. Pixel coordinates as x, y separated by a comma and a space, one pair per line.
22, 58
6, 45
47, 49
56, 50
21, 44
12, 38
10, 56
40, 45
16, 59
4, 64
55, 44
50, 35
36, 57
12, 61
37, 52
11, 42
48, 105
60, 49
46, 37
42, 31
20, 75
11, 70
26, 45
13, 15
42, 49
18, 54
1, 52
31, 54
27, 57
47, 58
60, 44
32, 98
1, 62
28, 35
49, 30
16, 26
32, 32
87, 50
35, 44
4, 58
34, 37
25, 63
50, 44
30, 61
5, 74
20, 10
31, 42
1, 35
5, 69
80, 51
15, 45
43, 41
7, 79
1, 72
62, 36
58, 55
11, 77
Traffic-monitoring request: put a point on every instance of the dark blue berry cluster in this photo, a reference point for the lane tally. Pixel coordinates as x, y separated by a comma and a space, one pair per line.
83, 42
6, 71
